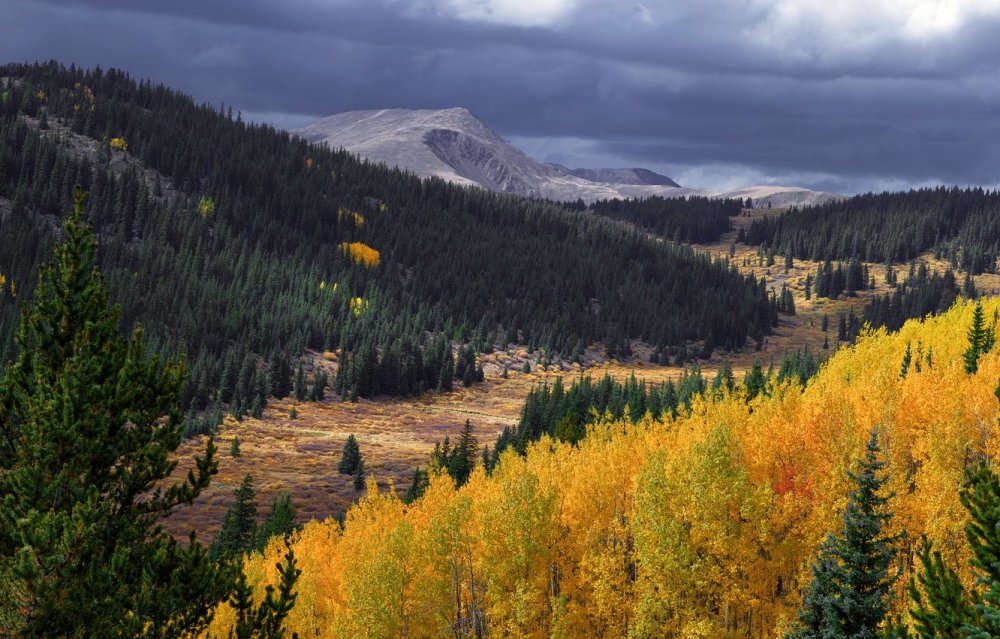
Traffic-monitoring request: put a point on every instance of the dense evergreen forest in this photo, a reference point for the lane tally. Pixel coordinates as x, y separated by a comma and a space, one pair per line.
961, 225
682, 219
920, 293
240, 247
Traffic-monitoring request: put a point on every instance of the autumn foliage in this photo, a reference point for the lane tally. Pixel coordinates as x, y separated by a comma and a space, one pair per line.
703, 526
361, 253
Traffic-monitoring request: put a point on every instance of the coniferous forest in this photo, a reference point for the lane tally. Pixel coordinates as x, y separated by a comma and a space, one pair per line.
960, 225
204, 220
163, 262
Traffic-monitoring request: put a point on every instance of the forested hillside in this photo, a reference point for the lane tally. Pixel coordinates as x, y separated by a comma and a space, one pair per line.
236, 244
703, 525
684, 219
961, 225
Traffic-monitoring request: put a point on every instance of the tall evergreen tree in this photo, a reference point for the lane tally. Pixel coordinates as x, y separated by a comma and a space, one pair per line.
464, 455
851, 588
359, 474
280, 522
239, 525
301, 388
88, 427
981, 339
350, 457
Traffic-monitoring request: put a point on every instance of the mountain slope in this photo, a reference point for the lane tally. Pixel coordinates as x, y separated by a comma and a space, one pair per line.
236, 244
454, 145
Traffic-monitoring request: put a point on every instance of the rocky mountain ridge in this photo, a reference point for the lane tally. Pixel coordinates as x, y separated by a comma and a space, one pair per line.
454, 145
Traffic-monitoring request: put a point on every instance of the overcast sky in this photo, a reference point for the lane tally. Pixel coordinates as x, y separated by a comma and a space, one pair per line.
842, 95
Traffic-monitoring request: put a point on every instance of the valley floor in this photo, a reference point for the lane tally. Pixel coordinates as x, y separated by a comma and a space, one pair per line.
397, 435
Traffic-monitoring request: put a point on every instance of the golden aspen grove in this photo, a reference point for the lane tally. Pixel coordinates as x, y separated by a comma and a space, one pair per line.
700, 526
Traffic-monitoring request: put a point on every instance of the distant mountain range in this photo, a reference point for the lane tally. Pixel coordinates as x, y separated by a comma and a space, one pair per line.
454, 145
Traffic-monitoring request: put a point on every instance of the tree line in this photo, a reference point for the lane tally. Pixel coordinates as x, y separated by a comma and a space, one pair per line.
959, 225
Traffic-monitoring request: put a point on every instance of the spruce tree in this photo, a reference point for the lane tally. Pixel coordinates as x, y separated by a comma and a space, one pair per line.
463, 456
301, 389
569, 429
359, 474
350, 457
418, 484
88, 427
755, 381
279, 522
281, 376
851, 588
940, 605
981, 339
266, 620
239, 526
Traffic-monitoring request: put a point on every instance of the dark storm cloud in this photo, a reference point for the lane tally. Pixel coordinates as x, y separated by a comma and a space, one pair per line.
864, 94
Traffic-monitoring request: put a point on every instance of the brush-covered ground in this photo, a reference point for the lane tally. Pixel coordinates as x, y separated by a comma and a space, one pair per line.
300, 455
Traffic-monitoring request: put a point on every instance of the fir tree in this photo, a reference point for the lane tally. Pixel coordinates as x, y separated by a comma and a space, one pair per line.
359, 474
234, 448
940, 605
279, 522
88, 427
319, 386
463, 456
418, 484
850, 592
724, 378
350, 457
265, 620
281, 376
569, 429
981, 339
755, 381
301, 389
239, 526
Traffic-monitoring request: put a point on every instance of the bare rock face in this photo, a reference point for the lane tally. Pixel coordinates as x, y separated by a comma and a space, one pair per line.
635, 176
453, 145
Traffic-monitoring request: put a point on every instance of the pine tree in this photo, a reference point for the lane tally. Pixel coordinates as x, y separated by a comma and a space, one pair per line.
982, 500
569, 429
281, 376
279, 522
463, 457
907, 358
239, 526
234, 448
940, 605
350, 457
849, 594
301, 389
755, 381
267, 619
981, 339
969, 287
359, 474
88, 427
319, 386
418, 484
